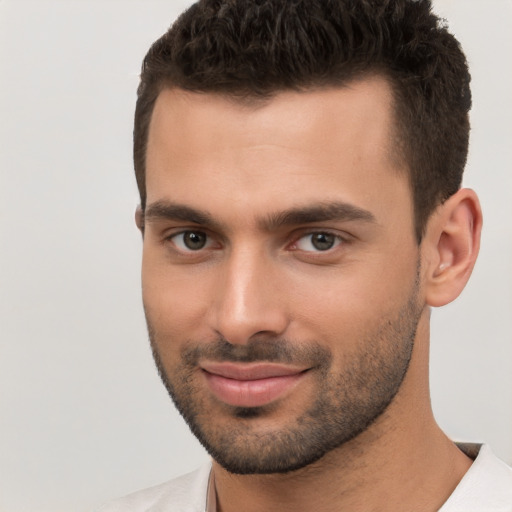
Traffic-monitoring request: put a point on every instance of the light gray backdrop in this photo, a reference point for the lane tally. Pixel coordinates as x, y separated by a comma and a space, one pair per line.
83, 416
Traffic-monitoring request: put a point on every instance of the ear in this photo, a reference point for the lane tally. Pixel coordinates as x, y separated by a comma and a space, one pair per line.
139, 219
450, 247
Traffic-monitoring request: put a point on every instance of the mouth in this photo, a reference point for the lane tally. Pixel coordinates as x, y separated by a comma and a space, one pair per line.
251, 384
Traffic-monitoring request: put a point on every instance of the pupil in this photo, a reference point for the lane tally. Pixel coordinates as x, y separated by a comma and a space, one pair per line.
322, 241
194, 240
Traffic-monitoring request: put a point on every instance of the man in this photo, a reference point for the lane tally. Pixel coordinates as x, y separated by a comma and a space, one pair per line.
299, 165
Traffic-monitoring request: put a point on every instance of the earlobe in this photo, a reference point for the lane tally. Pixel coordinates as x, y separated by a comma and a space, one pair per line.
452, 241
139, 219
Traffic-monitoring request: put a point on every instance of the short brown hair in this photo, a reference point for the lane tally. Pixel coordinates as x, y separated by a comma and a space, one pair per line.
256, 48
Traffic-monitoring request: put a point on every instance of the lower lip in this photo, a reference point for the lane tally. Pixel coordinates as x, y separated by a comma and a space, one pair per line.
251, 393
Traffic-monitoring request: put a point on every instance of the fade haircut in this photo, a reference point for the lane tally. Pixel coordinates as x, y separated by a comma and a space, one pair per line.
253, 49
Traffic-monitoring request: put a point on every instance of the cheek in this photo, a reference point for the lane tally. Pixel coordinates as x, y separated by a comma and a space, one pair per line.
174, 302
343, 306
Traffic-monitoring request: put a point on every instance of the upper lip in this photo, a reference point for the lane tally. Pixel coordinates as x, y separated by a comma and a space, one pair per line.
250, 371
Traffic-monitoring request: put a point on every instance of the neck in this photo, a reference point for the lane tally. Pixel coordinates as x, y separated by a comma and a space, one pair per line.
402, 462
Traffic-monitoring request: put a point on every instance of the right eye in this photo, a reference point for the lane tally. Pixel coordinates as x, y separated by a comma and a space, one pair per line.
191, 241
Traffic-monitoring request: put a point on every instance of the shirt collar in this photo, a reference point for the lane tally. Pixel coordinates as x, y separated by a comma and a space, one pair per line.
211, 495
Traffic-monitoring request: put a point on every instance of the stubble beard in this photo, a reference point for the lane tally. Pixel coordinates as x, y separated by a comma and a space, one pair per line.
345, 404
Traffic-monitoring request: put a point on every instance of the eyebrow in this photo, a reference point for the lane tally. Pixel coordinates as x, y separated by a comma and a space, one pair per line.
320, 212
168, 210
309, 214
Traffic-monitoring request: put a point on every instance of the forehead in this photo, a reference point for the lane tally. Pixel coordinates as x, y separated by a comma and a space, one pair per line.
325, 144
301, 114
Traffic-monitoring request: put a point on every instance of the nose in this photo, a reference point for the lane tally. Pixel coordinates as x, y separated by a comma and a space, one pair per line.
248, 300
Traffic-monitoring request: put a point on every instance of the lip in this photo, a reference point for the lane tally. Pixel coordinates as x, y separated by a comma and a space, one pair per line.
251, 384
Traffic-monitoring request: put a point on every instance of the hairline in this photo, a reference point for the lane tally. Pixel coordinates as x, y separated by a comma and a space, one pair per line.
397, 151
253, 100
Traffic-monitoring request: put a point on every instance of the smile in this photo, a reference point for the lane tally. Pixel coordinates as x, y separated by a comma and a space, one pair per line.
251, 385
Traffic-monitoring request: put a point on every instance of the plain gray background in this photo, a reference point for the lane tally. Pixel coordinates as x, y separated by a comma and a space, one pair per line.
83, 416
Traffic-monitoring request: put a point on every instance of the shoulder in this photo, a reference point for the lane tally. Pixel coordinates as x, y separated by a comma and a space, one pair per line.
486, 486
186, 493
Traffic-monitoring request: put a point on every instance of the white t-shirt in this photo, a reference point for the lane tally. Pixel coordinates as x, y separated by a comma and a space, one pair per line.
486, 487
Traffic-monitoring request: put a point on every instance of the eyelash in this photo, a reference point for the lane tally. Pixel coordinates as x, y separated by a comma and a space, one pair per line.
189, 252
337, 240
293, 246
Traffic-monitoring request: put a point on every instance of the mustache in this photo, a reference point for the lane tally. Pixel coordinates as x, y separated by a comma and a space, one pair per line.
257, 350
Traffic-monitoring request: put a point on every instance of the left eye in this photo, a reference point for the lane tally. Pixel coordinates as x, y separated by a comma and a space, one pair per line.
191, 240
317, 242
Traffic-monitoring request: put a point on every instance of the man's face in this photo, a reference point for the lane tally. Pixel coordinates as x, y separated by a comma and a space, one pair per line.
280, 269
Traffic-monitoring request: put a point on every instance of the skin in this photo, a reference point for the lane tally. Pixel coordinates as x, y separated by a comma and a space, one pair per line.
244, 163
